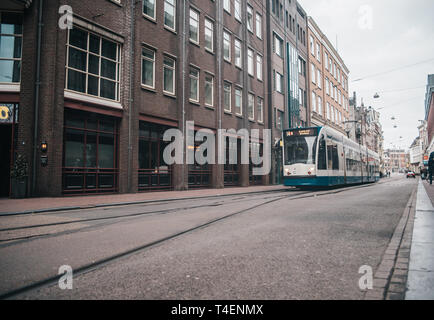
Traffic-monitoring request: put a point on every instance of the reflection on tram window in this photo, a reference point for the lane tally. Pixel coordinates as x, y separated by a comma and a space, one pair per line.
300, 149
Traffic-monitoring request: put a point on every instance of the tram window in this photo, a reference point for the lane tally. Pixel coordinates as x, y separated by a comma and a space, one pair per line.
322, 155
300, 150
335, 158
330, 156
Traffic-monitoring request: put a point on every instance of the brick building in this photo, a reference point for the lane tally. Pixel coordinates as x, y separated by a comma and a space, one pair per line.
429, 113
101, 95
328, 81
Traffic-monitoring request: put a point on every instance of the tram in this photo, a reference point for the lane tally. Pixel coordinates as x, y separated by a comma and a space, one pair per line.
324, 157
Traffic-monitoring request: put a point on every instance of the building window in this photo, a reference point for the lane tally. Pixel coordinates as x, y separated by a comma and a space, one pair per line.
319, 80
250, 63
314, 102
249, 18
279, 119
278, 45
169, 13
148, 68
312, 49
238, 101
328, 111
227, 88
313, 73
259, 67
227, 5
318, 52
11, 38
169, 75
194, 26
258, 25
319, 105
237, 9
149, 8
194, 85
209, 35
278, 82
326, 60
209, 90
90, 153
260, 110
327, 86
238, 53
93, 64
226, 46
251, 107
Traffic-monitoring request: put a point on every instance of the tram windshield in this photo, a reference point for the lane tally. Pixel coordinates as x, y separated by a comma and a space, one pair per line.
300, 148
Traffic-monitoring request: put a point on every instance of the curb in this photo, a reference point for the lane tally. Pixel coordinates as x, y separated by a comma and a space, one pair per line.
117, 204
391, 276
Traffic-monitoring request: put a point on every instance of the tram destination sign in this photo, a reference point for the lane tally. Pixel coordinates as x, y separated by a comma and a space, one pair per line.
302, 132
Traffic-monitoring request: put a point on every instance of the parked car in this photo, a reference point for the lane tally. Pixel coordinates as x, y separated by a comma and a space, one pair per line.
411, 174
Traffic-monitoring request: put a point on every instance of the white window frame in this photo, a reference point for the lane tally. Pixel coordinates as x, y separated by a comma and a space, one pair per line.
171, 3
237, 10
146, 15
227, 85
209, 76
259, 25
250, 62
228, 43
238, 48
174, 75
227, 5
197, 79
250, 14
153, 67
240, 90
251, 106
209, 27
193, 20
259, 66
260, 106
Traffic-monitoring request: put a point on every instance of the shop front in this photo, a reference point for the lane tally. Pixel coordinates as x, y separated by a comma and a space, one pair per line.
8, 139
90, 158
154, 174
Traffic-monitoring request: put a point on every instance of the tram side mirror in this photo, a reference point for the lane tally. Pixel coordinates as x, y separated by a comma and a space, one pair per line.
44, 161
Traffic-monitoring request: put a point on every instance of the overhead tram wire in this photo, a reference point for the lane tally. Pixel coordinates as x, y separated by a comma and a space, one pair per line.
392, 70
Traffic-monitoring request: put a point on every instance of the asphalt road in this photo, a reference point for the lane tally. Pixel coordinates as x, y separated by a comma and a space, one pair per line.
282, 245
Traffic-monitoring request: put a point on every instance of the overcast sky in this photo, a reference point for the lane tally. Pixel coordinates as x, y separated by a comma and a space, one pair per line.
401, 33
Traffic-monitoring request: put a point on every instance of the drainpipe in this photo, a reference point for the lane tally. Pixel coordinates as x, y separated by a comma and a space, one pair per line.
36, 101
131, 98
184, 61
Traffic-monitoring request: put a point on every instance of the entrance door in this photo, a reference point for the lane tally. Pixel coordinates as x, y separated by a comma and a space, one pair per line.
5, 158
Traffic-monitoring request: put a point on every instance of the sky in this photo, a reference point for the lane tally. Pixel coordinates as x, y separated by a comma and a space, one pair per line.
375, 37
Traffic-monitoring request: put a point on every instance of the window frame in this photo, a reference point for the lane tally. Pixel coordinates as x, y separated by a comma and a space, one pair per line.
173, 75
86, 72
166, 2
153, 67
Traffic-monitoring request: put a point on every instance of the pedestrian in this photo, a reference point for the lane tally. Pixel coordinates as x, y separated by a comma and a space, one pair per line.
431, 167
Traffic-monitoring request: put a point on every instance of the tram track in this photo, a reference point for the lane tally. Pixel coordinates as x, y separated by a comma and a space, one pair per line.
239, 198
9, 241
89, 267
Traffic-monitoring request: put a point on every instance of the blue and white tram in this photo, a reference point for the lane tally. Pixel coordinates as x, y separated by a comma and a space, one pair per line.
322, 156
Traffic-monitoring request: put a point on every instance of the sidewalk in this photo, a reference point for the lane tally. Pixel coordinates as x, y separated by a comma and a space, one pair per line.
420, 283
35, 205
